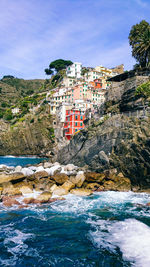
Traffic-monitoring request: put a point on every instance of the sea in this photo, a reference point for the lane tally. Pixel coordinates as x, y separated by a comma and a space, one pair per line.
109, 229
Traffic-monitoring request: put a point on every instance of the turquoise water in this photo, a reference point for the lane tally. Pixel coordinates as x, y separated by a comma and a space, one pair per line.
106, 229
22, 161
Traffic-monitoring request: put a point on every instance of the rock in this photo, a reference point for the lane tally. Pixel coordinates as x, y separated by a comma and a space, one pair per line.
60, 191
48, 164
10, 201
81, 192
92, 186
103, 157
9, 189
53, 188
94, 177
15, 177
27, 172
118, 184
100, 189
79, 179
40, 174
70, 167
55, 169
26, 190
60, 178
18, 169
43, 198
29, 200
120, 175
68, 185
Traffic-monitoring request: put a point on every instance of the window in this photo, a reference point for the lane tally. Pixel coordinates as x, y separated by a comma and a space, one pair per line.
76, 130
81, 117
76, 117
76, 124
81, 123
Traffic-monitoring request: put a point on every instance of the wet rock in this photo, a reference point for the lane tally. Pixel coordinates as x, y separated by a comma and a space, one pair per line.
29, 200
16, 177
100, 189
43, 198
60, 178
81, 192
60, 191
118, 184
9, 201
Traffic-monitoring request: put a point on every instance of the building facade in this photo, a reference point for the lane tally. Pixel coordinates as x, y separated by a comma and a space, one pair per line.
73, 123
74, 70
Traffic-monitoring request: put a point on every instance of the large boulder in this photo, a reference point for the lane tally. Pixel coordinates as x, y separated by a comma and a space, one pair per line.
48, 164
94, 177
11, 177
18, 169
40, 174
70, 167
60, 178
68, 185
117, 184
26, 189
43, 197
79, 179
9, 201
60, 191
9, 189
92, 186
81, 192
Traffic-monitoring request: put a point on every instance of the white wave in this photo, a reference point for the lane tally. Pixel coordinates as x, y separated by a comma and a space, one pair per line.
131, 236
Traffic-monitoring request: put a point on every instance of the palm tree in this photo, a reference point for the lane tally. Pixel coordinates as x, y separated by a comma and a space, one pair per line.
139, 39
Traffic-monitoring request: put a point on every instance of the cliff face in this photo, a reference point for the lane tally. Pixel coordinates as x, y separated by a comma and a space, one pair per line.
121, 141
27, 137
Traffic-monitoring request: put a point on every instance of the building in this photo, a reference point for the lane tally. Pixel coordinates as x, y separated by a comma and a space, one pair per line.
73, 123
90, 76
74, 70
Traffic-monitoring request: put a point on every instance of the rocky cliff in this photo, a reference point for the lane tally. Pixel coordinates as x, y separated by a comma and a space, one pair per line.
120, 140
33, 136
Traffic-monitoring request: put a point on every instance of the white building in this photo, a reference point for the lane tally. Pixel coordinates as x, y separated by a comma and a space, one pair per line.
92, 75
74, 70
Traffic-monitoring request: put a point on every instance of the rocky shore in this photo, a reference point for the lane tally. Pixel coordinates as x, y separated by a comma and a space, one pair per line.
47, 182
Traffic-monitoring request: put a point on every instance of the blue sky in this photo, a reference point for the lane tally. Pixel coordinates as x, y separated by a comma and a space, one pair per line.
95, 32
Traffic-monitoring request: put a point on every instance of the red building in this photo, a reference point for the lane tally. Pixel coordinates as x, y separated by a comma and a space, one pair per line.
73, 123
97, 83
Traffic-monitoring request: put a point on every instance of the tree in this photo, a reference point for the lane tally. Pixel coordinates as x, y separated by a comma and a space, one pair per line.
139, 39
143, 91
57, 65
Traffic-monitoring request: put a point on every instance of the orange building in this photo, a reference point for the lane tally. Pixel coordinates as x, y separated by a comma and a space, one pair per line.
74, 122
97, 84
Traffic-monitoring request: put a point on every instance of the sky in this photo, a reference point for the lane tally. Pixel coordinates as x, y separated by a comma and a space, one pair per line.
94, 32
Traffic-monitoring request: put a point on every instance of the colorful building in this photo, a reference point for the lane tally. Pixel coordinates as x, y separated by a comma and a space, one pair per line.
74, 70
73, 123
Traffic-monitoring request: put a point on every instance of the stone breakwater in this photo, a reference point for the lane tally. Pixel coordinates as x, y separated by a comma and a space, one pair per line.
47, 182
